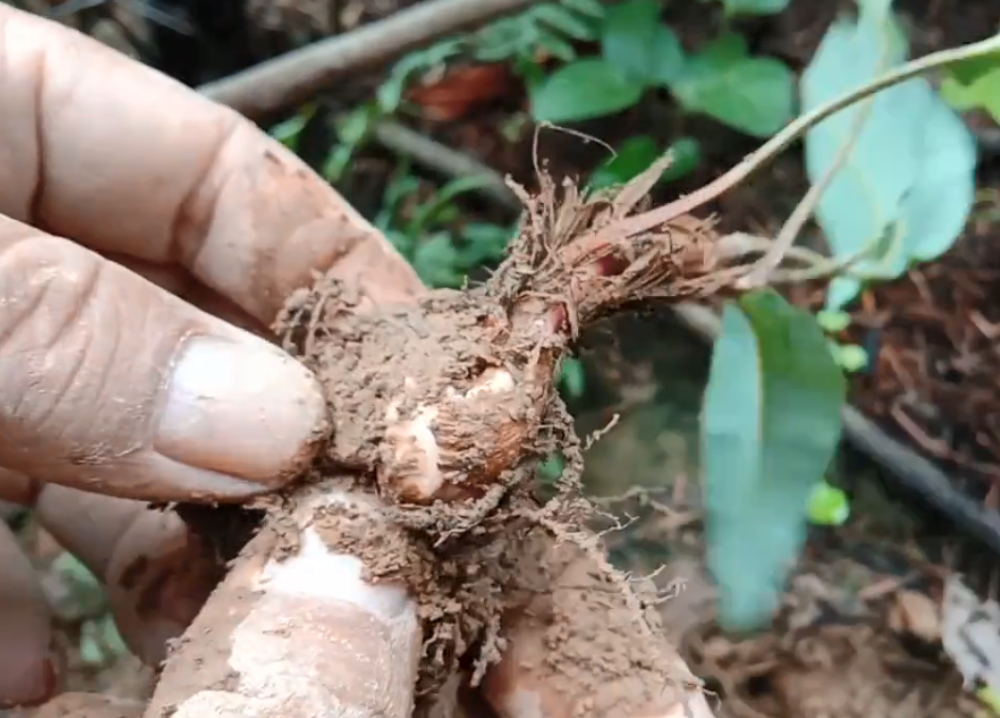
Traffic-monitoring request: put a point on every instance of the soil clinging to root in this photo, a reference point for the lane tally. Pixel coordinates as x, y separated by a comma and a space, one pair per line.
443, 409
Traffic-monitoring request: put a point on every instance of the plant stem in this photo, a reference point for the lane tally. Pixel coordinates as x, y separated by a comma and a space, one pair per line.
807, 205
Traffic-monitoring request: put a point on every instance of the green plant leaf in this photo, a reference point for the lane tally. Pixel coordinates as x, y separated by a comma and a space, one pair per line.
549, 26
833, 321
484, 243
913, 151
850, 357
566, 22
770, 425
754, 7
637, 153
288, 131
983, 92
583, 90
435, 260
572, 377
755, 95
972, 69
639, 45
828, 505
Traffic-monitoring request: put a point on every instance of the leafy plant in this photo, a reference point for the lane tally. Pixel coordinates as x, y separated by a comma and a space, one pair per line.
770, 425
548, 29
850, 357
828, 505
637, 153
754, 7
754, 95
908, 182
975, 84
441, 249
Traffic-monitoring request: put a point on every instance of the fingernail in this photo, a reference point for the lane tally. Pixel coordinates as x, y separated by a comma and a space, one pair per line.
244, 409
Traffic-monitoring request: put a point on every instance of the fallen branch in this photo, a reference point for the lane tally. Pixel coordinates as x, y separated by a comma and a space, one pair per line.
298, 76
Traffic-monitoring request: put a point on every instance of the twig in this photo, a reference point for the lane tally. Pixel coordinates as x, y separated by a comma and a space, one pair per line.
807, 205
425, 151
912, 471
781, 141
297, 76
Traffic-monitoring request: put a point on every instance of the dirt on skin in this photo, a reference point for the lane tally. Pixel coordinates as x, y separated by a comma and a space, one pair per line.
445, 407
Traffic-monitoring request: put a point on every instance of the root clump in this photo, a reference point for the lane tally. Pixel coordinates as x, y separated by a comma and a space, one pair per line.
443, 408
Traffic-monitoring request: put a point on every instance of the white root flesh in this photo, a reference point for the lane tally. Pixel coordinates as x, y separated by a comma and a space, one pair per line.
308, 637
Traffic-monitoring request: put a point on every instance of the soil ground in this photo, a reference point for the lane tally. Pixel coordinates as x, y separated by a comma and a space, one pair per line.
860, 631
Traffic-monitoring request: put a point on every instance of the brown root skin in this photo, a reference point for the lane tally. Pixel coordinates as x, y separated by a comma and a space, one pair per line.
444, 397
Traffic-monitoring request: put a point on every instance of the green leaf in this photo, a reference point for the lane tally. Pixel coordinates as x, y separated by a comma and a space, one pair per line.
435, 260
755, 95
754, 7
850, 357
828, 505
841, 292
982, 93
833, 321
572, 377
770, 425
639, 45
907, 186
937, 204
583, 90
485, 243
972, 69
566, 22
289, 131
637, 153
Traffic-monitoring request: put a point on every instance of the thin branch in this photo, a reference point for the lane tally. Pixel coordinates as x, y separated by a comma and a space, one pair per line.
807, 205
444, 160
793, 131
298, 76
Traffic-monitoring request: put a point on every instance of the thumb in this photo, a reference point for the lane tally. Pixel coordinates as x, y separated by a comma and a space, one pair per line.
110, 384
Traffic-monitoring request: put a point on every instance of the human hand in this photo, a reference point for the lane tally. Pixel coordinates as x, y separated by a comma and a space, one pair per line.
133, 215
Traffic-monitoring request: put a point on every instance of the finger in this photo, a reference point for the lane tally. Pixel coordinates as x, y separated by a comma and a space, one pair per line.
90, 705
157, 573
28, 673
111, 153
300, 624
122, 388
548, 669
179, 282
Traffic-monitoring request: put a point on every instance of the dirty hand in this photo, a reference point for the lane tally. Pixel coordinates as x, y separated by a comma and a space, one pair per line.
139, 225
